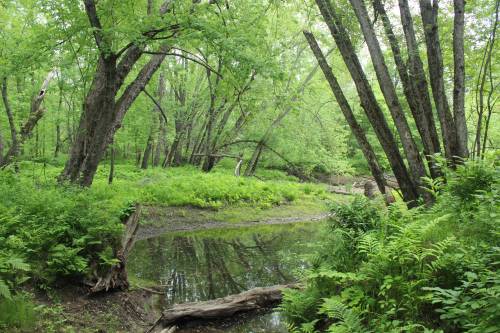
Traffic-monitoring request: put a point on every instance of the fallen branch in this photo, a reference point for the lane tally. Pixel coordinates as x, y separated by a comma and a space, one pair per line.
251, 300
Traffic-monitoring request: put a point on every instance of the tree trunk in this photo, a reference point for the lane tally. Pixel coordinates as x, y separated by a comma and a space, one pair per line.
103, 112
429, 13
251, 300
115, 278
459, 79
112, 166
147, 152
8, 110
356, 129
368, 101
162, 129
102, 117
415, 162
426, 129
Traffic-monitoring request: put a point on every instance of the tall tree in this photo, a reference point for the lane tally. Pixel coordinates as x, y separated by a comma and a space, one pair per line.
104, 107
459, 78
389, 91
417, 97
429, 13
368, 101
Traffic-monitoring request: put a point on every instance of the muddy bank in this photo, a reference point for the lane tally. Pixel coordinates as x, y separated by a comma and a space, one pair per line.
174, 219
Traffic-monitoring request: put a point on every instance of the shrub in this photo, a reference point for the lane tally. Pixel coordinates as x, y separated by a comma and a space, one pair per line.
418, 270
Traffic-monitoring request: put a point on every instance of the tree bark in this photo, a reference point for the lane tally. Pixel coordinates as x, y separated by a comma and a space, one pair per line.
459, 78
415, 162
356, 129
429, 13
418, 107
147, 152
251, 300
417, 75
369, 102
103, 113
8, 111
112, 166
115, 278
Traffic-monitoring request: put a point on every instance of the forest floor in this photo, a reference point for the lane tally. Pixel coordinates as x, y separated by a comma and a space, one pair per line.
70, 309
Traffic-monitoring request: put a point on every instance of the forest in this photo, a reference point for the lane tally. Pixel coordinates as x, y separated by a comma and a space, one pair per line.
241, 166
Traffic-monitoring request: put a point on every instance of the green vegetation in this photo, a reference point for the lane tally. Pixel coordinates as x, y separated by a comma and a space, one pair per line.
55, 232
224, 113
398, 270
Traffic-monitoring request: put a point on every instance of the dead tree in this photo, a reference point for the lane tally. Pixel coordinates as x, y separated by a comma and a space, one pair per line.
36, 113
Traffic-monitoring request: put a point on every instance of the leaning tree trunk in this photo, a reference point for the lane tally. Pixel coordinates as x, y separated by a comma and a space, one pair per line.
415, 162
356, 129
368, 101
426, 129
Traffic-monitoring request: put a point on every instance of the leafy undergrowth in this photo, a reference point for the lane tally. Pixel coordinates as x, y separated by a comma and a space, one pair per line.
51, 233
400, 270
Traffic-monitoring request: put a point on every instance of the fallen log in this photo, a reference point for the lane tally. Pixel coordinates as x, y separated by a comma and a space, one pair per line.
116, 276
220, 308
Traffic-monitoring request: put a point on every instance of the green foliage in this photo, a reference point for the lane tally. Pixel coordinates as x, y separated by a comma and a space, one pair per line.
48, 231
17, 312
418, 270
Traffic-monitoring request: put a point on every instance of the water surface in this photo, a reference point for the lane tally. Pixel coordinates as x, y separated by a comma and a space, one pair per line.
204, 265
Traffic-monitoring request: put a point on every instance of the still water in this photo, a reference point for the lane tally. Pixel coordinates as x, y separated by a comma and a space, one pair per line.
204, 265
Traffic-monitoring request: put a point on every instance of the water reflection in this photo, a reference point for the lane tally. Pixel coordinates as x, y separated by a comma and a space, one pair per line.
206, 265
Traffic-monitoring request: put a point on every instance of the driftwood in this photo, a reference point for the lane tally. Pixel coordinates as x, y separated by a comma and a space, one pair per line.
220, 308
116, 276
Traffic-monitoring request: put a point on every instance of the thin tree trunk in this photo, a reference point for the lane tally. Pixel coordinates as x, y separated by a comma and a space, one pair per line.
417, 75
415, 162
368, 101
459, 78
147, 152
112, 166
356, 129
480, 87
8, 110
429, 13
162, 130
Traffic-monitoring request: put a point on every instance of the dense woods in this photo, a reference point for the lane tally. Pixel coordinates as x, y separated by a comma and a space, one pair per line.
113, 111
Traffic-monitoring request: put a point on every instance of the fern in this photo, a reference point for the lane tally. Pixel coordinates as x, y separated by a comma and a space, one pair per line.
346, 319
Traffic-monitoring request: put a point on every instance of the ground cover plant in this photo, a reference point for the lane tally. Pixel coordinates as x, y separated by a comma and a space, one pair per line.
400, 270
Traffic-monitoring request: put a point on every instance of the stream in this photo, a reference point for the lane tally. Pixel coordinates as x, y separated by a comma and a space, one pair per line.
203, 265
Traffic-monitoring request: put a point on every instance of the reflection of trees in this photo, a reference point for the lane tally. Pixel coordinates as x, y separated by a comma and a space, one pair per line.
265, 249
196, 268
